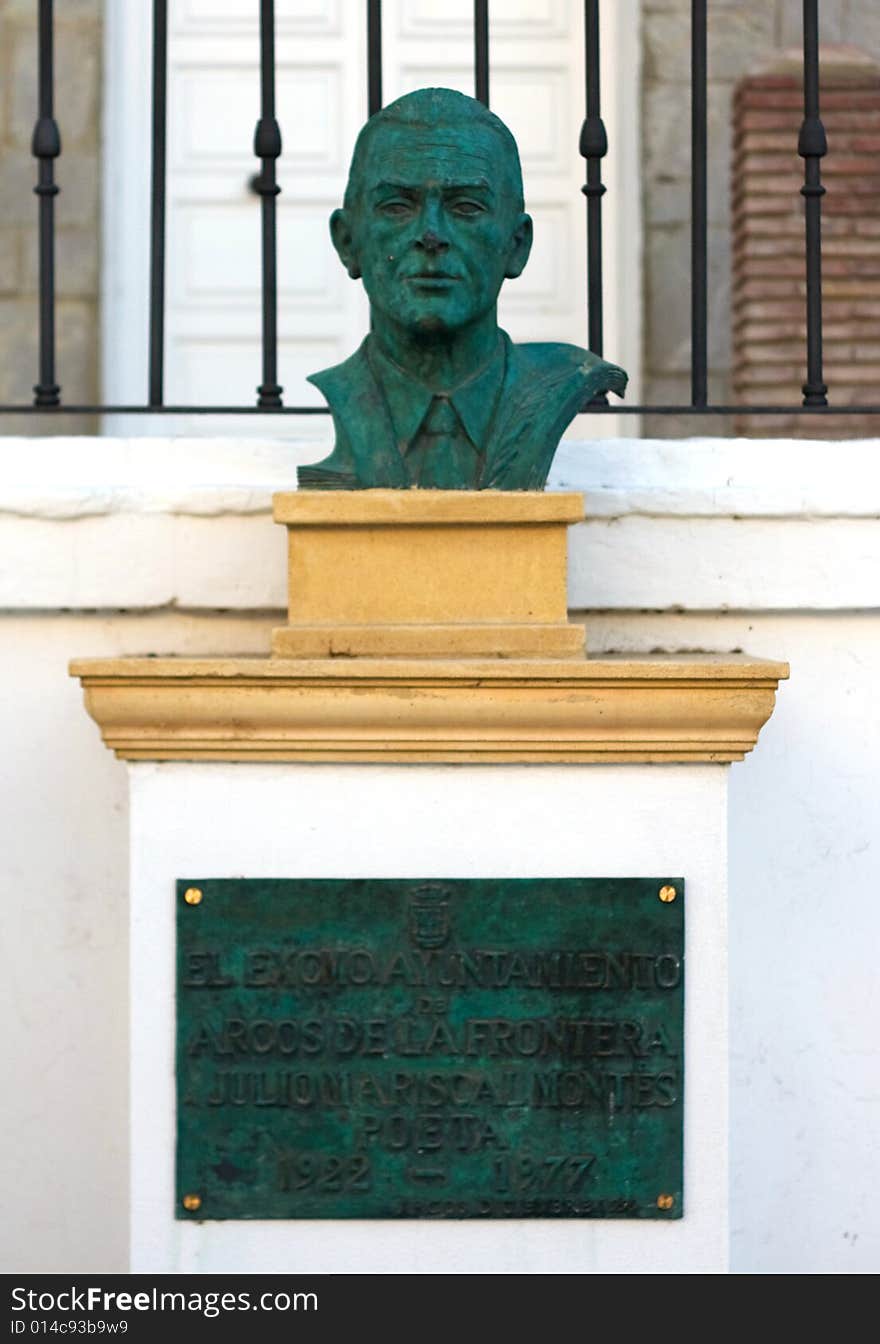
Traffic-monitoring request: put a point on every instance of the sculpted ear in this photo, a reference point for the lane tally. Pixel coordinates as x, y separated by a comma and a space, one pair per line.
520, 247
340, 232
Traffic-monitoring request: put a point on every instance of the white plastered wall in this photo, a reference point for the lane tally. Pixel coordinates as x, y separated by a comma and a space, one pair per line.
772, 547
438, 821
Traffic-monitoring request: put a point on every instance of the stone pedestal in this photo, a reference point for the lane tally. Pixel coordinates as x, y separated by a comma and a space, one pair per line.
217, 819
427, 573
459, 736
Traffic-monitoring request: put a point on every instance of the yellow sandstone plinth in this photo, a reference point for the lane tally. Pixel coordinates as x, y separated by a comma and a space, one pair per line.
427, 574
451, 607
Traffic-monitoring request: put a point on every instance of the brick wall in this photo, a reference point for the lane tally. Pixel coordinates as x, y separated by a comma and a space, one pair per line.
744, 36
77, 111
768, 283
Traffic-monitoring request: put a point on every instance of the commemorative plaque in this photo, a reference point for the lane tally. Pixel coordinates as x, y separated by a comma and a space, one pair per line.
481, 1048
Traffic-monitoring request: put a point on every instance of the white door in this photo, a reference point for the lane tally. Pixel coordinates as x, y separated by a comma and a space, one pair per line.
212, 344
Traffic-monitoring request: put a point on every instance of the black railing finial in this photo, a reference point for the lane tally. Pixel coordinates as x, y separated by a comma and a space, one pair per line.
45, 147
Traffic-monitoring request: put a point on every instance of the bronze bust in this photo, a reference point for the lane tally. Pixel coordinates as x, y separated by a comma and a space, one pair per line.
437, 396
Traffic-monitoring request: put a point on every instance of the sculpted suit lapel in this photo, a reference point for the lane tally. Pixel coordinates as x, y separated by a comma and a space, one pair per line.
544, 388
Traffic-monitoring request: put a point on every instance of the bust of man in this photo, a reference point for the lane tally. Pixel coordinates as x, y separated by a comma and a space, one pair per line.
438, 396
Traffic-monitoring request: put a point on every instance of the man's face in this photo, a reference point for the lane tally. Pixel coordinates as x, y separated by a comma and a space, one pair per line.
436, 226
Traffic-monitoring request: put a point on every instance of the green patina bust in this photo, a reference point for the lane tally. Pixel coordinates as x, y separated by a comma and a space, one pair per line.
438, 396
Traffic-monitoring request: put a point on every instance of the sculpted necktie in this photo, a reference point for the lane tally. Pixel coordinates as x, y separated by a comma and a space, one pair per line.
442, 456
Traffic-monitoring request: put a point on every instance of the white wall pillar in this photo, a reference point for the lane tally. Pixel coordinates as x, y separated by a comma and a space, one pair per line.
287, 820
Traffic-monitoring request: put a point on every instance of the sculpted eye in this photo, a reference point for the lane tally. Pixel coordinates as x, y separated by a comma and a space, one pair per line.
394, 208
467, 209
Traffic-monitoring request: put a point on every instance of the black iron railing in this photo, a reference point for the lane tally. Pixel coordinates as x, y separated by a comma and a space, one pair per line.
267, 147
593, 147
699, 209
812, 146
157, 201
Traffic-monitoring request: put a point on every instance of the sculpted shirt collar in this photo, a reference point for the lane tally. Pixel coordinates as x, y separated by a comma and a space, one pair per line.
409, 400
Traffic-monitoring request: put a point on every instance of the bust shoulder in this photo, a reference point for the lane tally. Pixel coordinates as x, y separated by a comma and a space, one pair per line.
547, 383
556, 360
339, 377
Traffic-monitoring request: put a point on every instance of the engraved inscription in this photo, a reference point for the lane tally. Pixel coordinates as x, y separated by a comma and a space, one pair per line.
468, 1048
326, 1171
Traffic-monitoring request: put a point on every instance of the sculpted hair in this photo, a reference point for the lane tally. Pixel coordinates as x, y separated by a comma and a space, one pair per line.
427, 109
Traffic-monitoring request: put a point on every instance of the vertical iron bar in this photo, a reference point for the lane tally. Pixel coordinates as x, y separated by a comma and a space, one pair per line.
157, 204
699, 207
481, 51
267, 147
593, 148
45, 147
812, 146
374, 56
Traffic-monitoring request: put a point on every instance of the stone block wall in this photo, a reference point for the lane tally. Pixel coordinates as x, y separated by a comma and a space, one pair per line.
743, 37
77, 210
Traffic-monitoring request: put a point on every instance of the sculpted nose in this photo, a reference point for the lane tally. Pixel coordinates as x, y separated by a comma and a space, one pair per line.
432, 242
431, 231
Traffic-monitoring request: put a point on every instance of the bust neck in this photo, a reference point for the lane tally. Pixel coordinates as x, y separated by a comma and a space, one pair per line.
440, 363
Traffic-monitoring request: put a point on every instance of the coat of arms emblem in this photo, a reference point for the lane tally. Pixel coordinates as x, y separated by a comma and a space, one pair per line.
429, 915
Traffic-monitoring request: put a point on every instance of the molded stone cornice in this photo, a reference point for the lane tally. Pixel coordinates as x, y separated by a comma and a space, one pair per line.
695, 708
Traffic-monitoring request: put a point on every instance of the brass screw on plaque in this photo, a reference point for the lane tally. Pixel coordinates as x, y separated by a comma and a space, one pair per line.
663, 1201
666, 894
193, 896
193, 1202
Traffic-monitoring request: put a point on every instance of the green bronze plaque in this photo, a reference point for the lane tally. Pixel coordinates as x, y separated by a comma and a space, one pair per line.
480, 1048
